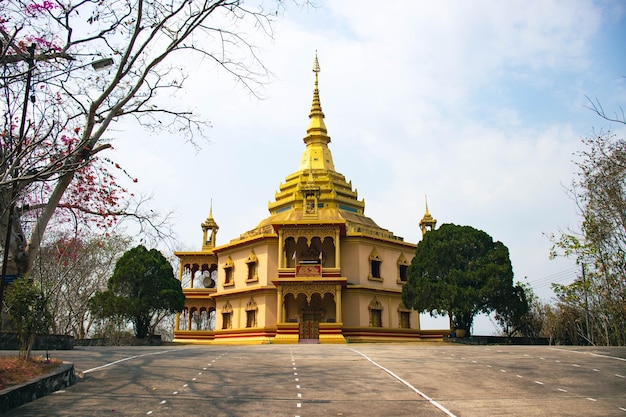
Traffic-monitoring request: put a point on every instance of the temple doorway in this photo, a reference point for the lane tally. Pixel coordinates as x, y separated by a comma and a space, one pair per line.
311, 313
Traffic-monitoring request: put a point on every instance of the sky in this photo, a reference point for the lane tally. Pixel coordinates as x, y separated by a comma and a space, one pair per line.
480, 106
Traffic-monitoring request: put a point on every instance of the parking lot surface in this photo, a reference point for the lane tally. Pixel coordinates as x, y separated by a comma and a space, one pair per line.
341, 380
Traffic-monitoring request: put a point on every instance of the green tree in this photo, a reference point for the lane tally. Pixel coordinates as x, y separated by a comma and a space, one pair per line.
143, 290
459, 271
523, 314
29, 313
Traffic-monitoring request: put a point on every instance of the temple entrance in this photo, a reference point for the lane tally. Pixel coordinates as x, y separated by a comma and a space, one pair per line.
310, 315
310, 326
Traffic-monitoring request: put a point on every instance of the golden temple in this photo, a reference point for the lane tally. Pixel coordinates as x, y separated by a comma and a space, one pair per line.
317, 269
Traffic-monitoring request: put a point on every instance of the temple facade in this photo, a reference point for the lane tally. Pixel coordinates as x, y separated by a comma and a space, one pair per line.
317, 269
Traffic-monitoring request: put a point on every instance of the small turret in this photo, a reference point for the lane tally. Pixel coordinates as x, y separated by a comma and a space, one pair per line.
427, 223
209, 231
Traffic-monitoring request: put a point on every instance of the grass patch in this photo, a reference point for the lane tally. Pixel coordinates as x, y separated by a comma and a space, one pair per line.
14, 371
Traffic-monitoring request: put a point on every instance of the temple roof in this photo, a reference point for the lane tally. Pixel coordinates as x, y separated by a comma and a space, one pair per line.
330, 197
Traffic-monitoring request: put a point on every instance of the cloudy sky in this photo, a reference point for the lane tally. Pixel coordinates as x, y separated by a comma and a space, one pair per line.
478, 105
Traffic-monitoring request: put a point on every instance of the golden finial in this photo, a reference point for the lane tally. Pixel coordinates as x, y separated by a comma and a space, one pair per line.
316, 115
426, 198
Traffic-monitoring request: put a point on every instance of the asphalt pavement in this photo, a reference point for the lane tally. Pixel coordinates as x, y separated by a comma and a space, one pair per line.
341, 380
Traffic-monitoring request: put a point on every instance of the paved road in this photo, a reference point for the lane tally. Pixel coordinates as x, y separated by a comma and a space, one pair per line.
347, 380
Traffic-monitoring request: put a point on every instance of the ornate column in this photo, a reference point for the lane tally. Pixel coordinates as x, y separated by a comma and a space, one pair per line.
338, 318
281, 249
279, 305
189, 314
337, 251
177, 326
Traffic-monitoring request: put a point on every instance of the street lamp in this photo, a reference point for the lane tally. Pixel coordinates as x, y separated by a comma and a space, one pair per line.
101, 64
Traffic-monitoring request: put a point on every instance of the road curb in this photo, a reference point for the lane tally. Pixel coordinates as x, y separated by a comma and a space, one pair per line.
13, 397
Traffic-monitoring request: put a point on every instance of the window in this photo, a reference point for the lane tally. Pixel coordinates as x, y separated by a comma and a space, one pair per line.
252, 263
376, 313
226, 321
404, 316
229, 267
227, 314
405, 319
375, 266
402, 269
251, 318
251, 313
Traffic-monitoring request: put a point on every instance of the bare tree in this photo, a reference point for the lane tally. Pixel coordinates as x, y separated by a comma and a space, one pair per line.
54, 129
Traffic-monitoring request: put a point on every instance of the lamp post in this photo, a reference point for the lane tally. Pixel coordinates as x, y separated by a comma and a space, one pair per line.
31, 66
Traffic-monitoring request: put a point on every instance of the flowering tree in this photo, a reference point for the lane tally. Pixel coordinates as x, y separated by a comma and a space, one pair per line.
70, 270
56, 108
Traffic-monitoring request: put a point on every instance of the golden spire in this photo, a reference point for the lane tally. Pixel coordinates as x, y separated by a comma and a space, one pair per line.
316, 116
427, 223
316, 155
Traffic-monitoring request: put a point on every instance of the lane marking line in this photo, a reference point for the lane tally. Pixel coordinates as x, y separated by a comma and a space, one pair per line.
539, 382
599, 355
591, 399
561, 389
125, 359
407, 384
620, 376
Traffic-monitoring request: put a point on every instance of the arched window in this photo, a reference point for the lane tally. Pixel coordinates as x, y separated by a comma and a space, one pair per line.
375, 266
253, 267
404, 316
251, 313
403, 267
229, 268
227, 316
376, 313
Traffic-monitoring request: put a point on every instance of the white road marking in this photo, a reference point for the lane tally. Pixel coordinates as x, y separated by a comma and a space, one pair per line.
126, 359
591, 399
561, 389
418, 392
596, 370
299, 395
592, 354
621, 408
620, 376
577, 366
297, 379
298, 405
163, 402
175, 392
149, 412
502, 370
539, 382
297, 386
519, 376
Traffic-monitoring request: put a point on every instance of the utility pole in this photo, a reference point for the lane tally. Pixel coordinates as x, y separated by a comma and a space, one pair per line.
586, 305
